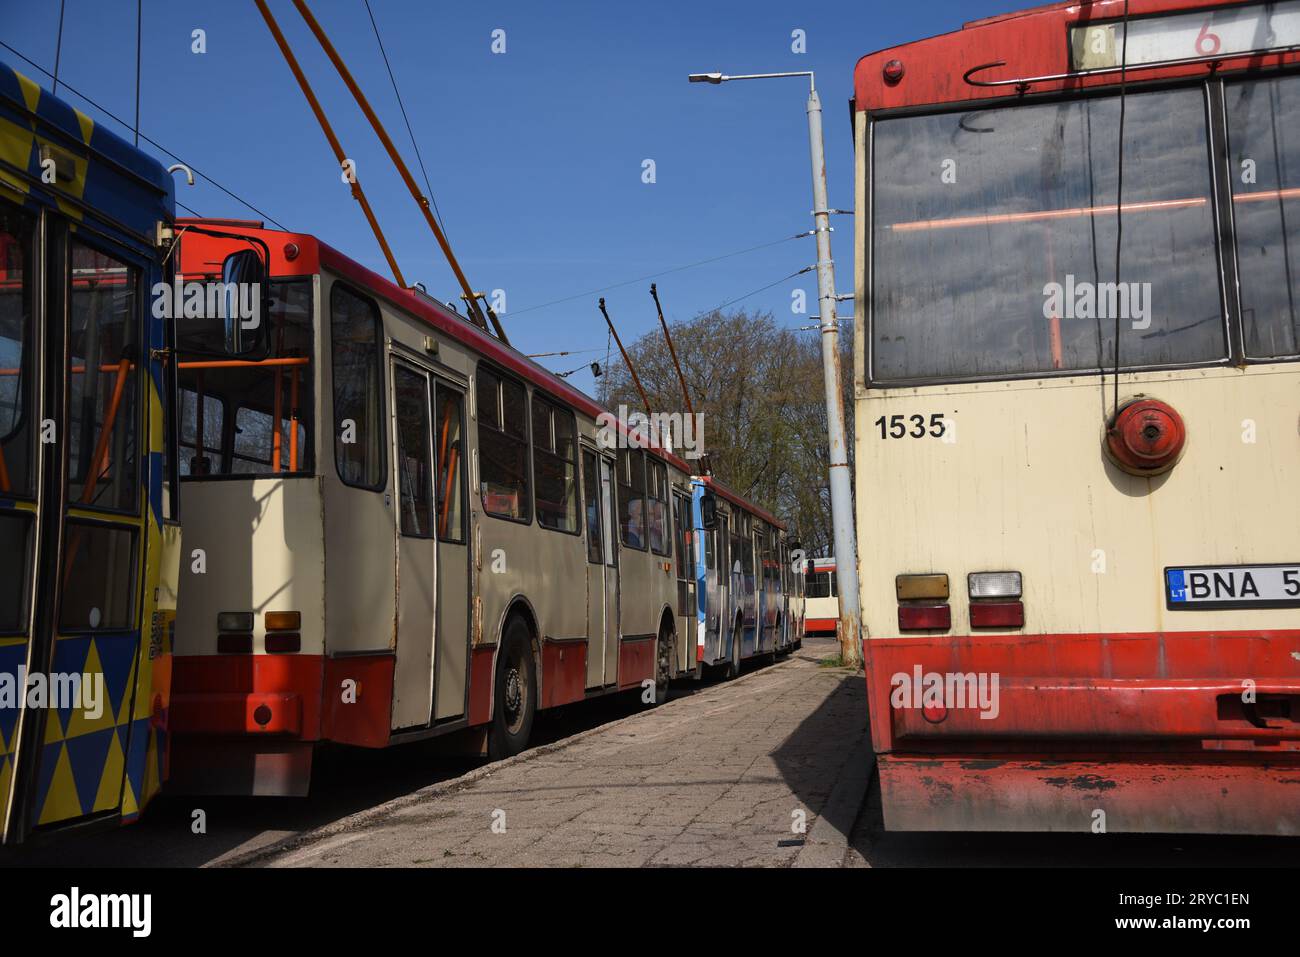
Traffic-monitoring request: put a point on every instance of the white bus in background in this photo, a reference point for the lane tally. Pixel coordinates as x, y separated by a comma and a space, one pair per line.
821, 598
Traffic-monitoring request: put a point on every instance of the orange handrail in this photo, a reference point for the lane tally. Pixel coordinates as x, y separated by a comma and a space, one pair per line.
293, 421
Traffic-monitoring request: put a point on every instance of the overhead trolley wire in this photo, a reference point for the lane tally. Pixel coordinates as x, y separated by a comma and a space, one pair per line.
666, 272
154, 143
400, 105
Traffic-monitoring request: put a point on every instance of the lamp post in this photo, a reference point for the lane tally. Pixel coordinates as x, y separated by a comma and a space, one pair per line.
846, 552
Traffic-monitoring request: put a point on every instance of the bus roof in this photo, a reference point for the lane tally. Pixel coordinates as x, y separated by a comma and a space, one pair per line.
117, 182
312, 254
1032, 43
735, 498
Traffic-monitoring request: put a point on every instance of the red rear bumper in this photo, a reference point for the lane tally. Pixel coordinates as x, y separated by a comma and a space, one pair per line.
1170, 732
1135, 793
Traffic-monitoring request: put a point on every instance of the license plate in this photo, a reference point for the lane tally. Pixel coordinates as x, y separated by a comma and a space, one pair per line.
1206, 587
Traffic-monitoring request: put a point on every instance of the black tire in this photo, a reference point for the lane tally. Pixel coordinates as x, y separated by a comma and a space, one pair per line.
737, 638
515, 694
664, 649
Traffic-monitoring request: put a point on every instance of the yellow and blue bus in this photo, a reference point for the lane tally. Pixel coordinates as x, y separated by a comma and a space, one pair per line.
88, 541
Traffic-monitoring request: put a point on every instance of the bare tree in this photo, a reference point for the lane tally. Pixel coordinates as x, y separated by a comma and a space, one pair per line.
760, 389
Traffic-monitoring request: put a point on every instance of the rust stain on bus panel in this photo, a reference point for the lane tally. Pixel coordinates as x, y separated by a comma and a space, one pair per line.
1120, 793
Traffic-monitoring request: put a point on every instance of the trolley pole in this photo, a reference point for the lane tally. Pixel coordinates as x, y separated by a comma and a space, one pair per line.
846, 551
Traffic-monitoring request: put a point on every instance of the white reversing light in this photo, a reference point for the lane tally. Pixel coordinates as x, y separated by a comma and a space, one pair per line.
994, 584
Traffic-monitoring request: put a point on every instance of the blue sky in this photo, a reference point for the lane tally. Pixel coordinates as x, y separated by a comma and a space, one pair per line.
535, 155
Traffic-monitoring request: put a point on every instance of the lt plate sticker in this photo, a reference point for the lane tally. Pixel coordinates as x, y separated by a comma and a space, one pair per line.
1206, 587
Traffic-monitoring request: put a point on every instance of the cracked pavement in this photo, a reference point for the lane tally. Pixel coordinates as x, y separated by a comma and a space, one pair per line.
735, 775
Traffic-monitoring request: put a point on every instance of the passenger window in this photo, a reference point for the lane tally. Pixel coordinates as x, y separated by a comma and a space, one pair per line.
555, 466
198, 407
103, 356
414, 472
657, 473
503, 446
1264, 122
17, 295
631, 498
255, 449
358, 390
451, 465
591, 501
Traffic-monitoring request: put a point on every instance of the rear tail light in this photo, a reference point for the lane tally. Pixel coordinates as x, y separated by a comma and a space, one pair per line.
283, 620
915, 587
923, 602
282, 627
997, 614
234, 644
281, 642
235, 621
995, 600
235, 633
924, 617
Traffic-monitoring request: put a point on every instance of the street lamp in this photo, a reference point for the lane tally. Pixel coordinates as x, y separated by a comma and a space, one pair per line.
846, 552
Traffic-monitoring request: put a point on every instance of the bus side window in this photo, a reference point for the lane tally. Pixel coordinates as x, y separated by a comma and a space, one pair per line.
358, 390
591, 501
449, 436
632, 498
503, 446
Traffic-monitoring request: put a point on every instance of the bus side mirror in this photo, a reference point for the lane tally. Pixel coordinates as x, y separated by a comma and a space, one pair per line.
708, 510
808, 569
245, 299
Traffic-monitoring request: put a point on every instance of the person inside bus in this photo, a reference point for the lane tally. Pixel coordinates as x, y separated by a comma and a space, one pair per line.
635, 525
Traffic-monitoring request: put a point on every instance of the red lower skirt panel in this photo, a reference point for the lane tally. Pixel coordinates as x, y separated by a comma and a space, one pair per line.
636, 661
480, 684
816, 626
564, 672
1120, 793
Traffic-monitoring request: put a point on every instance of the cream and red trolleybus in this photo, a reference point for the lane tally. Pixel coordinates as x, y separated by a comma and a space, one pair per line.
399, 527
1077, 450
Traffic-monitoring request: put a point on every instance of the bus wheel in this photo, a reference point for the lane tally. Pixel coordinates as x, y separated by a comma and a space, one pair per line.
663, 664
516, 694
737, 636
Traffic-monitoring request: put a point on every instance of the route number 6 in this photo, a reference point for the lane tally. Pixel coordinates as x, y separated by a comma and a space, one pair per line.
1207, 43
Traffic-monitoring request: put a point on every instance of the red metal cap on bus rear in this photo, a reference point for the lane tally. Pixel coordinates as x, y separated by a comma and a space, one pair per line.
1146, 437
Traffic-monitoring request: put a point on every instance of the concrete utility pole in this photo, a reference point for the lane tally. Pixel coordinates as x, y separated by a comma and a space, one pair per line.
846, 550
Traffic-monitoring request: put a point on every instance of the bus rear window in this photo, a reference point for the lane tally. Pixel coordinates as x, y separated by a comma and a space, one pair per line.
235, 402
1264, 141
993, 240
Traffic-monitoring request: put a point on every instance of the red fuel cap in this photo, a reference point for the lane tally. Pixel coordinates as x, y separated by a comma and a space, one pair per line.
1147, 437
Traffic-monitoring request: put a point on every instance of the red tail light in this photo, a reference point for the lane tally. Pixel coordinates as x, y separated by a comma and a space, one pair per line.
234, 644
282, 643
924, 617
997, 614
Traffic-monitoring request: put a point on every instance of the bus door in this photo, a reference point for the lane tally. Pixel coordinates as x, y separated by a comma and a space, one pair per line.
451, 654
72, 532
417, 565
602, 569
723, 551
684, 547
